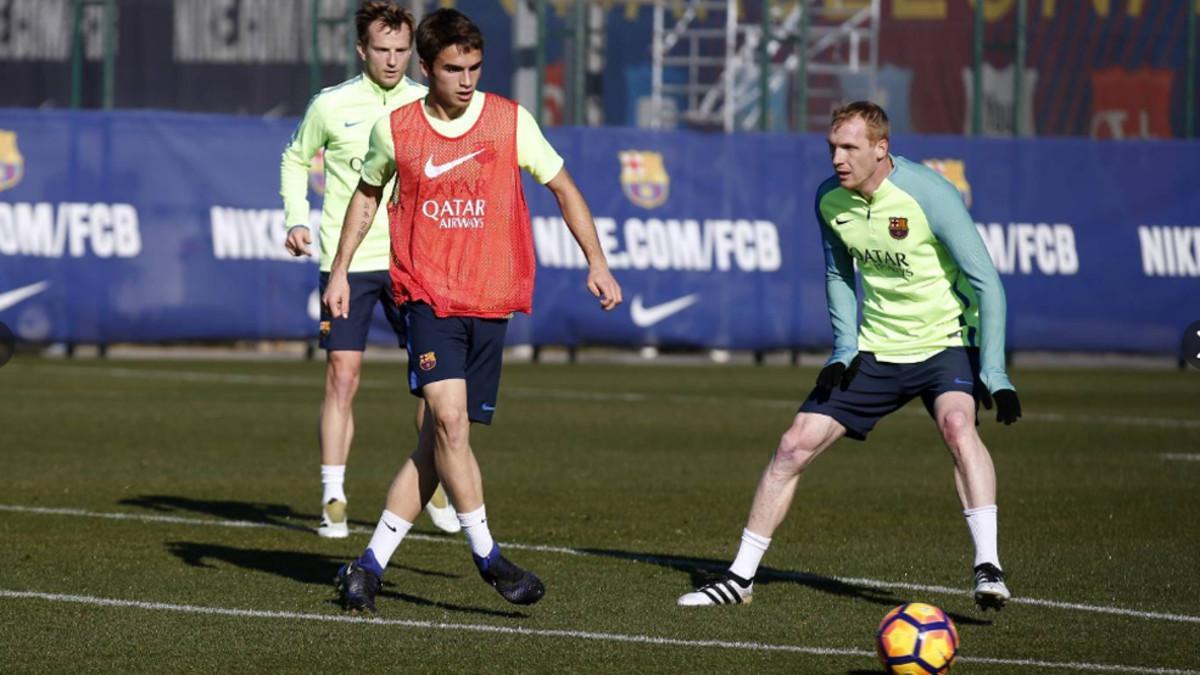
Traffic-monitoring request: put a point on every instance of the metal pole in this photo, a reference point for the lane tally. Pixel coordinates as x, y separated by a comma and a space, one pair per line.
731, 10
1019, 69
352, 40
539, 63
314, 56
76, 54
656, 68
1189, 106
110, 51
764, 68
977, 73
802, 71
578, 62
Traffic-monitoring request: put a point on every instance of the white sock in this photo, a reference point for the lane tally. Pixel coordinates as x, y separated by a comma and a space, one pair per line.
474, 525
749, 555
333, 478
982, 523
388, 534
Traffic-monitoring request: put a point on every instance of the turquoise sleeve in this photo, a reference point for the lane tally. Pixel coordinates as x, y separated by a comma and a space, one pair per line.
840, 293
954, 228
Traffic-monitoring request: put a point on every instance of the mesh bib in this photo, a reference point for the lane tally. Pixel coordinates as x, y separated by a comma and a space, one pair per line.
461, 239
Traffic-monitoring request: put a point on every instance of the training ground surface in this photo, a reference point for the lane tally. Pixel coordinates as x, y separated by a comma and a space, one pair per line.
155, 517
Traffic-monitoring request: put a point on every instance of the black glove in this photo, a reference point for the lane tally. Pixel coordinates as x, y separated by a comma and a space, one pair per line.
836, 375
1008, 406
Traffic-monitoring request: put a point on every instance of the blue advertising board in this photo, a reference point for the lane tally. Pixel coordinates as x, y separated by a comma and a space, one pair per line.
151, 226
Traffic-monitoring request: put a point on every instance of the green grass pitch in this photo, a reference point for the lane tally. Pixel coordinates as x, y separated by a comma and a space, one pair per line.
619, 485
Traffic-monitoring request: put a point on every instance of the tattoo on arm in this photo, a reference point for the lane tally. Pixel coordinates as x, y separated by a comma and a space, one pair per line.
364, 223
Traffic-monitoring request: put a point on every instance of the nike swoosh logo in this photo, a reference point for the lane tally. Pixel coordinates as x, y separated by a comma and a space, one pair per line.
958, 381
434, 170
352, 124
488, 408
10, 298
388, 525
644, 317
839, 221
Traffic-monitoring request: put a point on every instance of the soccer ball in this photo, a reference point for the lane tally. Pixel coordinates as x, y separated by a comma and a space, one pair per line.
916, 639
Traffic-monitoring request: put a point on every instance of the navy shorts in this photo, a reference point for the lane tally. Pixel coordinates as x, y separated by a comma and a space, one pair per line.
880, 388
457, 347
350, 334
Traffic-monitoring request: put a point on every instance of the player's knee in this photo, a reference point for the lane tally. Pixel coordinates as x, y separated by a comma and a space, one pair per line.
956, 428
796, 449
452, 424
341, 381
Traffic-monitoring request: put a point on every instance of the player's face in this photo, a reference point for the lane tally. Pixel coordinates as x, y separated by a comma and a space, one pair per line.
453, 76
855, 158
385, 55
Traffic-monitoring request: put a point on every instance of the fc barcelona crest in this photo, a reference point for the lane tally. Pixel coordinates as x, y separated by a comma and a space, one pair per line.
898, 227
955, 171
12, 164
644, 178
428, 361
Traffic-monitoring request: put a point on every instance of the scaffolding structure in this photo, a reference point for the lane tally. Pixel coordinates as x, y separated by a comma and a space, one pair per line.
733, 62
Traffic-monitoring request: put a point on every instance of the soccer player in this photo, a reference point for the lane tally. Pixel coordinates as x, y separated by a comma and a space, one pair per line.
339, 120
462, 262
932, 326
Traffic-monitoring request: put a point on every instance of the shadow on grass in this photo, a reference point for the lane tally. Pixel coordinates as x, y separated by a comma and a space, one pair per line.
279, 515
312, 568
705, 570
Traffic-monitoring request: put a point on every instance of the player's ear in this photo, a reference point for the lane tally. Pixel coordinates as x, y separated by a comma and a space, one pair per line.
425, 68
881, 149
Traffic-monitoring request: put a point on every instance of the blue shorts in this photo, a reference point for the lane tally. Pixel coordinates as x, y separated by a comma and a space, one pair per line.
880, 388
350, 334
457, 347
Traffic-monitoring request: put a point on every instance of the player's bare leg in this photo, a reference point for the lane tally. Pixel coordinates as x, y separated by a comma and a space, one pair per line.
450, 425
343, 369
808, 436
975, 481
438, 506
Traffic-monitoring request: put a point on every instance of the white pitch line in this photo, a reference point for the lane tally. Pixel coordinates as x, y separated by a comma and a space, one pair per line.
567, 394
649, 559
556, 633
1181, 457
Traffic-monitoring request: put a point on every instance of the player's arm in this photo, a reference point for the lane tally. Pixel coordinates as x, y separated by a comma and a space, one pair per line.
840, 294
843, 364
538, 157
309, 136
378, 167
954, 228
578, 217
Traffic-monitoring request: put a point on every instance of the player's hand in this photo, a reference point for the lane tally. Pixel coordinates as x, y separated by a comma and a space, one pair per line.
602, 285
337, 296
838, 375
1008, 406
298, 239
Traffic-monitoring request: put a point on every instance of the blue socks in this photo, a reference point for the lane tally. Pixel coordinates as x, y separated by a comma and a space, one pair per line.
367, 561
483, 563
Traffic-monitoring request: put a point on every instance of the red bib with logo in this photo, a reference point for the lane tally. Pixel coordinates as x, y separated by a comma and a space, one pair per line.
461, 239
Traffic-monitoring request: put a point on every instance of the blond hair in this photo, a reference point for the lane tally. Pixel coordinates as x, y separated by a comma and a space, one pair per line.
873, 115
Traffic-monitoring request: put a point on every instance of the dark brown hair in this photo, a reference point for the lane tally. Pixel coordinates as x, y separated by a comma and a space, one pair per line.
874, 116
392, 15
444, 28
